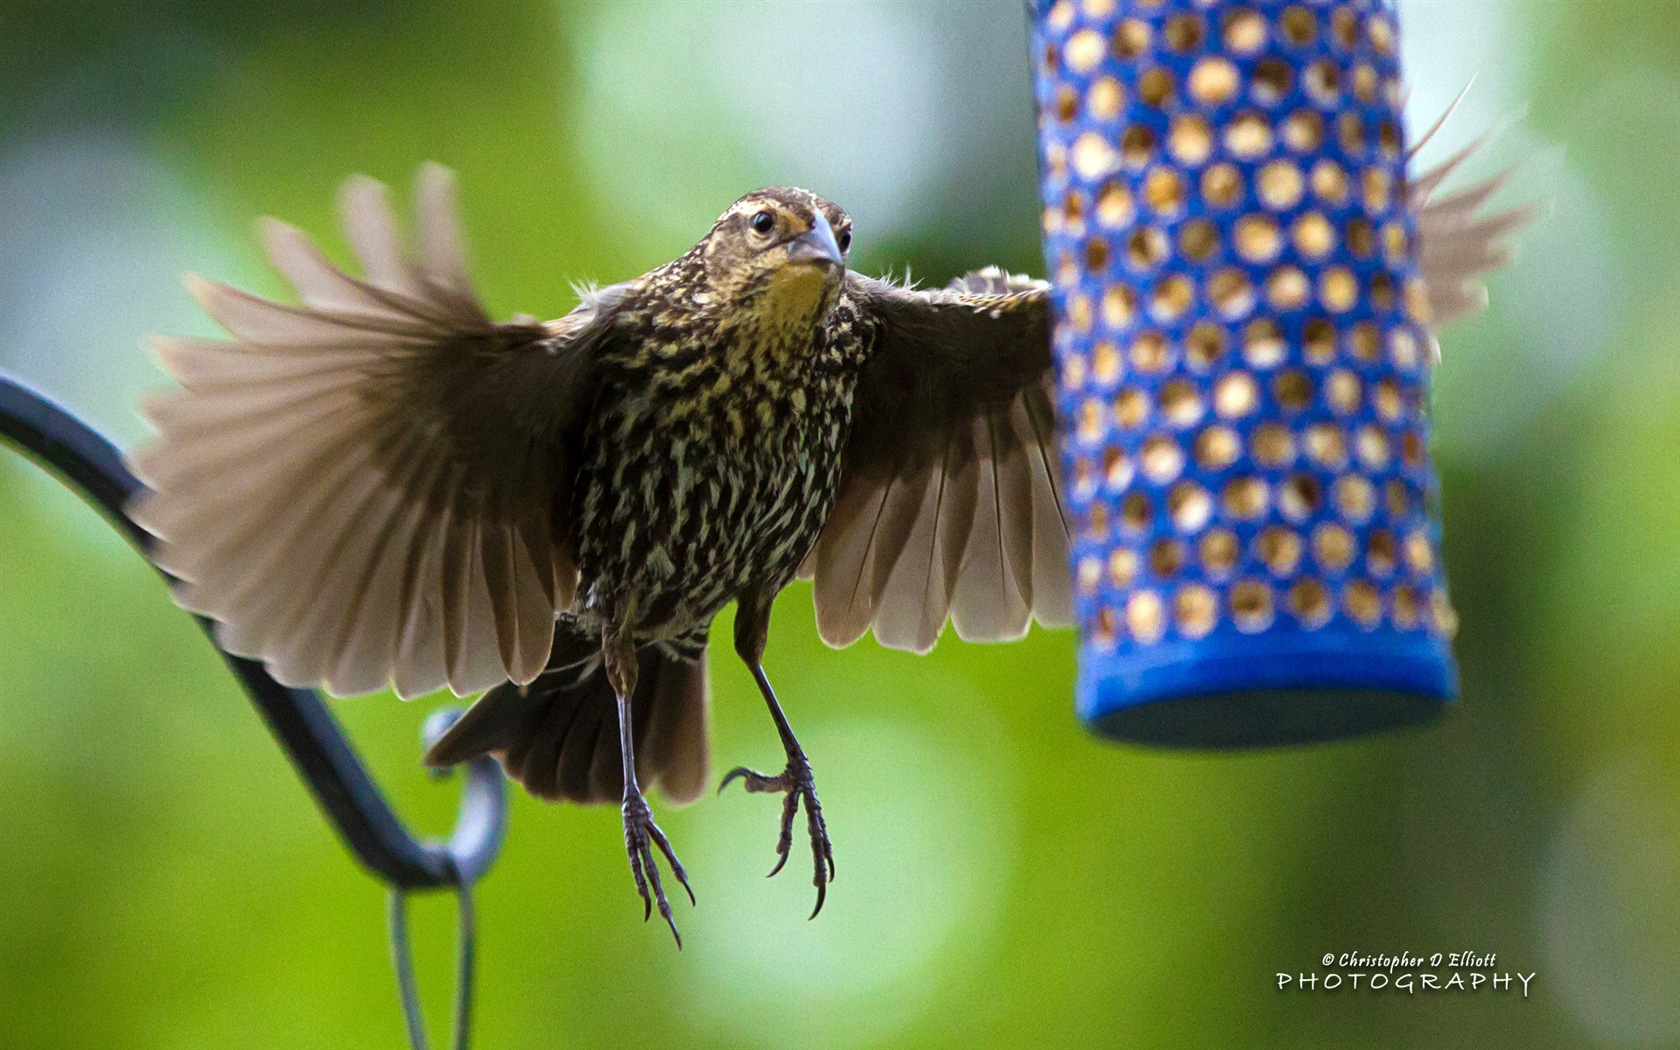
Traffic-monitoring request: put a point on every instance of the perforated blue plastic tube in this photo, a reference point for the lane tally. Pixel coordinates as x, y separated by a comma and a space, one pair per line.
1244, 371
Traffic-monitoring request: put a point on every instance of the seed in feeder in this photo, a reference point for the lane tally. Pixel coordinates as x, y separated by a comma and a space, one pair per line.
1381, 33
1382, 291
1365, 82
1164, 190
1096, 255
1326, 445
1135, 512
1137, 145
1287, 288
1114, 205
1190, 140
1372, 446
1105, 98
1298, 26
1083, 485
1388, 139
1249, 136
1246, 498
1314, 236
1083, 50
1198, 239
1270, 83
1330, 182
1352, 131
1217, 448
1205, 345
1189, 506
1378, 186
1123, 566
1166, 557
1222, 185
1293, 390
1218, 549
1251, 605
1151, 352
1364, 342
1299, 497
1067, 271
1398, 499
1184, 32
1379, 553
1196, 609
1280, 185
1146, 617
1323, 82
1231, 292
1061, 14
1411, 449
1355, 498
1273, 445
1131, 408
1257, 238
1096, 520
1090, 421
1309, 601
1180, 405
1079, 312
1344, 27
1279, 549
1105, 363
1213, 80
1396, 244
1263, 345
1146, 247
1052, 218
1073, 371
1098, 8
1420, 555
1333, 547
1107, 631
1090, 574
1067, 103
1363, 604
1245, 31
1403, 349
1236, 395
1446, 620
1338, 289
1342, 391
1117, 469
1074, 206
1303, 131
1161, 459
1119, 306
1155, 88
1405, 607
1318, 341
1417, 301
1093, 157
1131, 38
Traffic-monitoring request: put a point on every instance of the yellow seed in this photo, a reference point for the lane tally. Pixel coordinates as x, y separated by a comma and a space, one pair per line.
1326, 445
1281, 184
1122, 566
1363, 604
1190, 140
1257, 238
1245, 31
1314, 236
1310, 602
1249, 136
1333, 546
1161, 459
1131, 408
1213, 80
1189, 506
1180, 405
1084, 50
1217, 448
1119, 306
1279, 549
1273, 444
1218, 549
1251, 605
1246, 498
1151, 352
1354, 497
1236, 395
1196, 609
1106, 98
1093, 157
1145, 616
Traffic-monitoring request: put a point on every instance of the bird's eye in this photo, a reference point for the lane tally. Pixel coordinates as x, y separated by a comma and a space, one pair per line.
845, 241
763, 223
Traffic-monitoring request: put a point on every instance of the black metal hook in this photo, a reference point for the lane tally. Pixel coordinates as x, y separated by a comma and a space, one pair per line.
90, 465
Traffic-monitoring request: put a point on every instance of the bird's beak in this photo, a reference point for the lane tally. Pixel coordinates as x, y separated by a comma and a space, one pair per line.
816, 245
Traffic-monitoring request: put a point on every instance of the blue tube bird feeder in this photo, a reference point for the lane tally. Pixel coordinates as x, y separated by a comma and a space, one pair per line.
1243, 371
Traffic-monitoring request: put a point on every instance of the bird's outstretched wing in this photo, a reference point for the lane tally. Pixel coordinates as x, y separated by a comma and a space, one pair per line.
370, 488
950, 492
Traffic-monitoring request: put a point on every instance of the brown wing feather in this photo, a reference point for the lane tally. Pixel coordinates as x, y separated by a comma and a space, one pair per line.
362, 489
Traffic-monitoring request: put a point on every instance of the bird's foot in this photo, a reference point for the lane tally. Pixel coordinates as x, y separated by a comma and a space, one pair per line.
797, 784
641, 834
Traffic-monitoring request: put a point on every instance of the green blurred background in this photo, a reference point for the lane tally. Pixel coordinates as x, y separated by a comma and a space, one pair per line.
1004, 879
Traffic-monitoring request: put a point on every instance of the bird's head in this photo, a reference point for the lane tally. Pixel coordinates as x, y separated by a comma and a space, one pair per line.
778, 256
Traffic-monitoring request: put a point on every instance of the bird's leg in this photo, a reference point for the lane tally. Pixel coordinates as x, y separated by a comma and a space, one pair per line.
641, 834
796, 782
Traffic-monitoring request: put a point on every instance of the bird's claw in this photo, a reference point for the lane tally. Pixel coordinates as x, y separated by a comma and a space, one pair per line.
641, 835
796, 783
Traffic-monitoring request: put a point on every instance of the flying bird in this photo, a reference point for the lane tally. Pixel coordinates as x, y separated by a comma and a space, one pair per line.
382, 486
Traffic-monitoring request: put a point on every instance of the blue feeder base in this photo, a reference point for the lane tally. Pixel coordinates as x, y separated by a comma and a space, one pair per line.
1268, 691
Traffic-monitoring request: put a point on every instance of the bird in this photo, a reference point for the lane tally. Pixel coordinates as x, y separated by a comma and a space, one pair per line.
381, 487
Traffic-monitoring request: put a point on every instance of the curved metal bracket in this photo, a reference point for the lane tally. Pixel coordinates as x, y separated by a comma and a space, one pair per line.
90, 465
